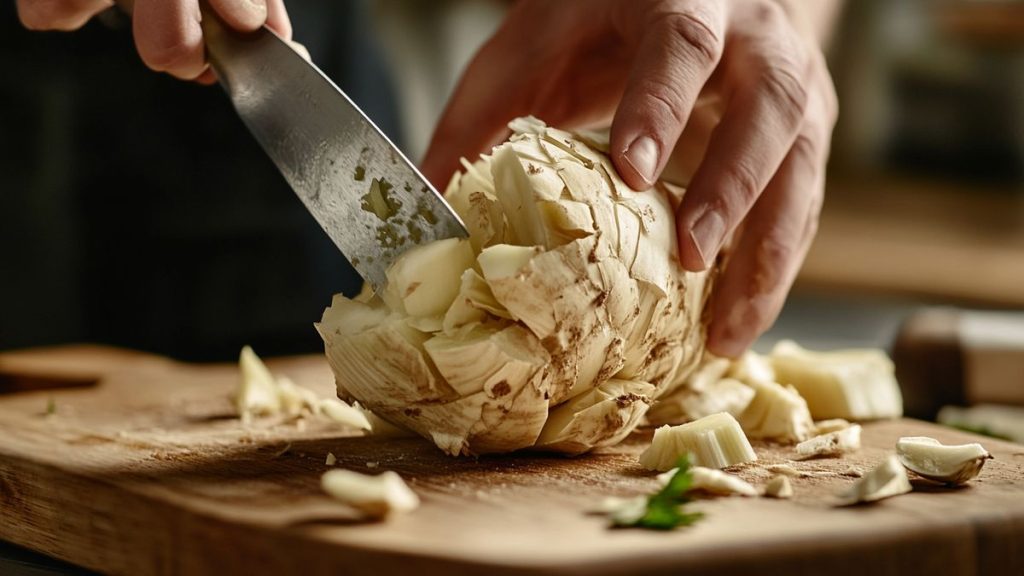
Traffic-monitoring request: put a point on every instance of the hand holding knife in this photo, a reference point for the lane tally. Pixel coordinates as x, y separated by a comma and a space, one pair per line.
369, 198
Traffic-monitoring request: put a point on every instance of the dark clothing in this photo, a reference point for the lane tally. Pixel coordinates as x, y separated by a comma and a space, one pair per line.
136, 210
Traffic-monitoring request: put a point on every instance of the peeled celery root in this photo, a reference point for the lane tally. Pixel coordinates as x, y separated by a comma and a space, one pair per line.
850, 384
706, 391
602, 416
425, 283
561, 319
715, 441
725, 395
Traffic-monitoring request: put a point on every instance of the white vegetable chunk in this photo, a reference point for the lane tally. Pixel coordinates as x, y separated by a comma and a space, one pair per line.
429, 277
776, 413
849, 384
720, 483
886, 480
375, 496
716, 441
779, 487
257, 391
832, 444
343, 413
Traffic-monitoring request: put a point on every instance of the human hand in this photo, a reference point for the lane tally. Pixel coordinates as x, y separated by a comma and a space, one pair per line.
643, 65
167, 32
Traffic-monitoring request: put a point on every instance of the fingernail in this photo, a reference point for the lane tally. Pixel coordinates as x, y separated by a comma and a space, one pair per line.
707, 235
642, 157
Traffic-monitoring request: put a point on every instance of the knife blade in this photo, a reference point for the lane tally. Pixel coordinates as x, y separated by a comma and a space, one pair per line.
366, 195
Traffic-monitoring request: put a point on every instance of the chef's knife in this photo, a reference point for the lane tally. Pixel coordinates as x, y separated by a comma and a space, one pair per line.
369, 198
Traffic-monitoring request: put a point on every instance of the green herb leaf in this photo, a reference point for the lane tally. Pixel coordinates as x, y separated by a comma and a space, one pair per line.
664, 510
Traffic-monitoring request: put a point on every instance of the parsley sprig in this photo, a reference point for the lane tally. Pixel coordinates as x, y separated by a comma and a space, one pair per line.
664, 509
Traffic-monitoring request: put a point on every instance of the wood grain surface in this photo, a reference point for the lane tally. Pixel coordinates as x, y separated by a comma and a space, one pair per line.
931, 239
147, 472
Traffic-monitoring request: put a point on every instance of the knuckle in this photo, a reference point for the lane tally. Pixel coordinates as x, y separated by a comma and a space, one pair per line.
775, 252
784, 85
766, 309
737, 190
813, 216
36, 15
696, 33
769, 12
806, 148
242, 15
175, 56
664, 100
776, 258
831, 102
744, 188
811, 227
761, 308
63, 15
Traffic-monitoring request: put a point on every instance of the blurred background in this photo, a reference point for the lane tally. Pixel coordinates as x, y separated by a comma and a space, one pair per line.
135, 210
925, 202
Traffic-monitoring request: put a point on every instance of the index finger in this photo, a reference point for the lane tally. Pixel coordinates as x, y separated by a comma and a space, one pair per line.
678, 51
746, 149
59, 14
242, 15
169, 37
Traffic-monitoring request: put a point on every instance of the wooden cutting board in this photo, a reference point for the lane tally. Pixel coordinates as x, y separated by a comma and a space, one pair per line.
147, 472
